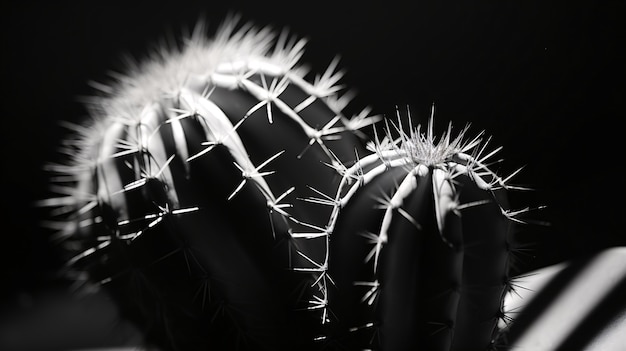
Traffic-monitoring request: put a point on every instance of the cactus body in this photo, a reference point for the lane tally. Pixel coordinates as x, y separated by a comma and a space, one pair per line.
221, 195
181, 197
420, 246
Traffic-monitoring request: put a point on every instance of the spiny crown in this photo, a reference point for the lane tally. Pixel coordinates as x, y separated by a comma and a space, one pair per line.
422, 147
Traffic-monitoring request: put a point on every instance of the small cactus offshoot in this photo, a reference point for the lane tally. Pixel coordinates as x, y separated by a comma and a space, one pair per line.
421, 241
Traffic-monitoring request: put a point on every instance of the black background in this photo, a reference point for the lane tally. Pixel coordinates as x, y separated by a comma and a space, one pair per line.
544, 78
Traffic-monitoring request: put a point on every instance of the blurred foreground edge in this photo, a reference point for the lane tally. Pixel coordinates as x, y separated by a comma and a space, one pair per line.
575, 305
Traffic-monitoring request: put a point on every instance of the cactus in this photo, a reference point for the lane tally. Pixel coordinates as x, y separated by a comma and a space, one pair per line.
421, 242
180, 197
220, 195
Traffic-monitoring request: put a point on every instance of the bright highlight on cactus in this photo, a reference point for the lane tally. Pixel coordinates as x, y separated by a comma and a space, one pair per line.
225, 200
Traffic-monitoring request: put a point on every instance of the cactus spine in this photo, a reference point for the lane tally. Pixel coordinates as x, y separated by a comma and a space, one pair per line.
420, 245
181, 196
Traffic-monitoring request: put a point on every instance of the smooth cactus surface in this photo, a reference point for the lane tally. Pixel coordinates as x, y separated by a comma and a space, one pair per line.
421, 241
181, 196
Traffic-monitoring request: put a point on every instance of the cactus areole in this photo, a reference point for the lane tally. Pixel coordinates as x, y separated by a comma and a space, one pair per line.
222, 197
